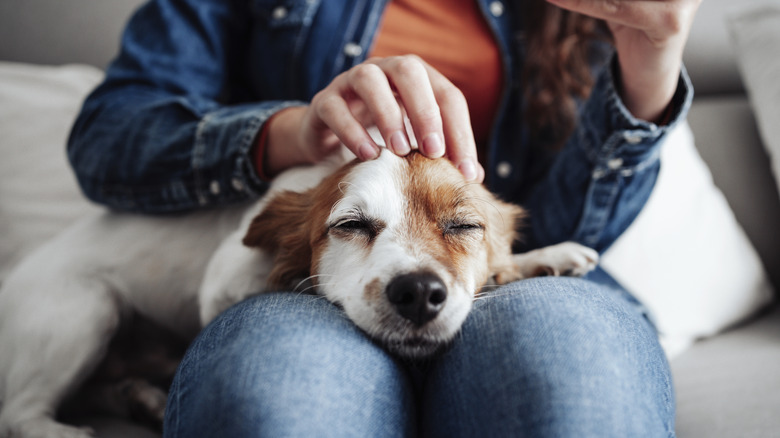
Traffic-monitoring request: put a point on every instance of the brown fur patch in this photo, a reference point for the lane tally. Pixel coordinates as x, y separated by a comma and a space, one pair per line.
374, 291
293, 227
439, 197
282, 229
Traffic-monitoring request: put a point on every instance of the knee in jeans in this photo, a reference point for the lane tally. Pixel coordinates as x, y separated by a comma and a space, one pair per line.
285, 364
562, 352
561, 330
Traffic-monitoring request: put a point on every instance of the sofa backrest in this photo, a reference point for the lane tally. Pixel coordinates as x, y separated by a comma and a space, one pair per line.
88, 31
61, 32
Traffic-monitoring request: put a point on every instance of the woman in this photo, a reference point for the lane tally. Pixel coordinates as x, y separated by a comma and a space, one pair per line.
209, 99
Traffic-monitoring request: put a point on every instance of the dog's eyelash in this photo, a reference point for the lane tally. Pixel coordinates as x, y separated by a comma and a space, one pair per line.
462, 227
352, 224
466, 226
357, 225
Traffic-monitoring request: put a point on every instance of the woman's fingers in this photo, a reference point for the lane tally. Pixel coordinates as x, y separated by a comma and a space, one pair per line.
331, 112
659, 18
649, 38
458, 134
376, 97
410, 78
626, 12
386, 91
437, 111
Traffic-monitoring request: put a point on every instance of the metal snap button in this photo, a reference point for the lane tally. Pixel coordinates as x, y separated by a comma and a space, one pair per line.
504, 169
615, 163
632, 138
279, 13
353, 50
214, 188
496, 8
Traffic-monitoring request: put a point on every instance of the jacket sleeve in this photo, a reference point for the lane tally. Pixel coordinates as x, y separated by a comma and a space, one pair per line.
162, 132
601, 179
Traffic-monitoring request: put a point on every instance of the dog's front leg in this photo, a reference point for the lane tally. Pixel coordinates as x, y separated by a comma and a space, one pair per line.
567, 258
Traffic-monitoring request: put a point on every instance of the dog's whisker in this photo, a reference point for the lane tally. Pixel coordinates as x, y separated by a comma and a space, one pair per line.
311, 277
491, 286
491, 294
315, 296
342, 184
302, 291
313, 286
299, 284
487, 201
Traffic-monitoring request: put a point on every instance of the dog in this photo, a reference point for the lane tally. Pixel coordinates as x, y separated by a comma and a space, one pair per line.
402, 244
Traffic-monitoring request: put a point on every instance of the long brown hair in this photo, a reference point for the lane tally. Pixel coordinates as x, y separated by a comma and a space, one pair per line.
557, 70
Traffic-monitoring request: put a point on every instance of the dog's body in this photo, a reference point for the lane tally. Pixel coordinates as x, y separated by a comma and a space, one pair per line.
402, 244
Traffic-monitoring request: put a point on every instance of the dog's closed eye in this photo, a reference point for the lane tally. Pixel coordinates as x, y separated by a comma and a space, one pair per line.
357, 225
456, 227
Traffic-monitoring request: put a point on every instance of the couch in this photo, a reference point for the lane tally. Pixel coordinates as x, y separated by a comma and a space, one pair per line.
721, 328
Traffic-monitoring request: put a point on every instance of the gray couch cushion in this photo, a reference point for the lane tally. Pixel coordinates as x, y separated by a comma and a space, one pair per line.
727, 386
709, 55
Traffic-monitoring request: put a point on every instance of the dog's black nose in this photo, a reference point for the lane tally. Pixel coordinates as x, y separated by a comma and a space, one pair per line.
418, 296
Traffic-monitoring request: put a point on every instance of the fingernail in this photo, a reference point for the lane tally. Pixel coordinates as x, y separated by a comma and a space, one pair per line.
468, 169
367, 152
399, 144
433, 147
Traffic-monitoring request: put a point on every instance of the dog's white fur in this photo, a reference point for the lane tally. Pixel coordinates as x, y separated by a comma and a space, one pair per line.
61, 306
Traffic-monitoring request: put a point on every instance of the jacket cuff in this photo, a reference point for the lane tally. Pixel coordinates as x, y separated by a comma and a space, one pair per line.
616, 141
231, 132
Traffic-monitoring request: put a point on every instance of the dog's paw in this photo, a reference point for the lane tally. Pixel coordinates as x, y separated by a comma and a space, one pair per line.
145, 401
567, 258
45, 428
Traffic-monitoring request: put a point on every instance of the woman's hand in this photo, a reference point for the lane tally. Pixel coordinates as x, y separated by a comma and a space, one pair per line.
378, 92
649, 38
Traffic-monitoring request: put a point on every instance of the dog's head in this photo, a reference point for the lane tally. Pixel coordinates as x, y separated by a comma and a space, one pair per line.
402, 244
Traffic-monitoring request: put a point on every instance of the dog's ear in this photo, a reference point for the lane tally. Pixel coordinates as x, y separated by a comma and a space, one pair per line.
282, 229
503, 222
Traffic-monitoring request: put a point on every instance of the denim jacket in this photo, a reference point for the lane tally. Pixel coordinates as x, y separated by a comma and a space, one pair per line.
172, 126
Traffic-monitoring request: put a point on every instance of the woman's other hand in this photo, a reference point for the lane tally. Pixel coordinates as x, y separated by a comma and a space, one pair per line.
380, 92
649, 36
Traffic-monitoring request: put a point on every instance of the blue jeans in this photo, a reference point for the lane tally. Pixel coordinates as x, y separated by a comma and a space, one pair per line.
540, 357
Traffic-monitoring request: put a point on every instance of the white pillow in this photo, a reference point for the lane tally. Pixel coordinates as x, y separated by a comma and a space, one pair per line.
685, 257
756, 36
38, 193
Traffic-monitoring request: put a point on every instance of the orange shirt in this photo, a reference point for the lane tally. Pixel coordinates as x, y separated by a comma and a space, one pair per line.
454, 38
